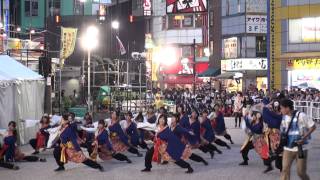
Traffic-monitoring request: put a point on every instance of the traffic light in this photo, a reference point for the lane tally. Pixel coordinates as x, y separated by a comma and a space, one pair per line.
58, 19
131, 19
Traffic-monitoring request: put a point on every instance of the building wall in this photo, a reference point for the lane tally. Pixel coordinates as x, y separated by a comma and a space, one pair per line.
282, 49
32, 21
66, 9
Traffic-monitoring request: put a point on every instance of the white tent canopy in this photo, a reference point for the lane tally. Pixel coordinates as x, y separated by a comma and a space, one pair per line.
21, 95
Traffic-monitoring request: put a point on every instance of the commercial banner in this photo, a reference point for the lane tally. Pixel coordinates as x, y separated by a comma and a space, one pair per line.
183, 6
304, 64
256, 24
68, 42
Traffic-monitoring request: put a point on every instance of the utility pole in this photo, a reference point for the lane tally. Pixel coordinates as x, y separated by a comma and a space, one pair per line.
47, 97
194, 66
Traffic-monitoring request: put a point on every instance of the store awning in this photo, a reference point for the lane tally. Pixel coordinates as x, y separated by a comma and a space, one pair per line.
227, 75
210, 72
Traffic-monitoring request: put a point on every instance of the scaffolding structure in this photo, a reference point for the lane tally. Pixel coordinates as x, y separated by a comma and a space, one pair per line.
126, 78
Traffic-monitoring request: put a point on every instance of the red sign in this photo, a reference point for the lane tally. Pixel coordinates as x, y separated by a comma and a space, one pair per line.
184, 67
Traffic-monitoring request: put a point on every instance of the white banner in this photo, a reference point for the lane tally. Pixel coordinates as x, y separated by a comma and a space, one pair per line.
245, 64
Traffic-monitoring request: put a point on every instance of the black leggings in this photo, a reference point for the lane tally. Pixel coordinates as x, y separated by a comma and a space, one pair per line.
120, 157
143, 145
148, 160
196, 158
6, 165
31, 158
227, 136
245, 151
209, 148
88, 162
221, 143
238, 115
33, 143
133, 150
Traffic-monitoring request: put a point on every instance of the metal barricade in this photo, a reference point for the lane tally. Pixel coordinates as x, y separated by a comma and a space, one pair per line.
312, 109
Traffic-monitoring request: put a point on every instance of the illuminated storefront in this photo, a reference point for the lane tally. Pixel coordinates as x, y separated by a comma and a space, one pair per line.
304, 73
294, 44
253, 73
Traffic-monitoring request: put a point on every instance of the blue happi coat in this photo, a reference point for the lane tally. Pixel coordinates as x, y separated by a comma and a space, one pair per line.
254, 128
70, 134
220, 124
208, 133
132, 132
10, 141
175, 147
181, 132
272, 119
116, 129
103, 139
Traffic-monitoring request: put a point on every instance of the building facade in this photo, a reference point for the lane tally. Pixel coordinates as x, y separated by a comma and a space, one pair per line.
294, 44
174, 32
244, 43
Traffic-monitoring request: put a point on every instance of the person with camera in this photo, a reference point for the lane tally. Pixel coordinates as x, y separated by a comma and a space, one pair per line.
296, 129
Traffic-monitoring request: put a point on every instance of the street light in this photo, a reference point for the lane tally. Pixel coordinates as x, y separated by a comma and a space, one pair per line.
115, 24
18, 29
90, 42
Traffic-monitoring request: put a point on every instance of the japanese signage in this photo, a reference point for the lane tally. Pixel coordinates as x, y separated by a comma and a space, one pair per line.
68, 41
256, 6
147, 8
256, 24
186, 6
272, 42
304, 64
245, 64
230, 47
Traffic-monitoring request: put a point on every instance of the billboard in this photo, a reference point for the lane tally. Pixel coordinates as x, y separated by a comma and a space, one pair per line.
186, 6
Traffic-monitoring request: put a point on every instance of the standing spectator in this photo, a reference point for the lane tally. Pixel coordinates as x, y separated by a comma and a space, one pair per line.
238, 105
297, 127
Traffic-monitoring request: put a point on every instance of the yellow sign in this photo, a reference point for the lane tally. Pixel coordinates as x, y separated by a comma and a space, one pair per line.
14, 43
304, 64
68, 42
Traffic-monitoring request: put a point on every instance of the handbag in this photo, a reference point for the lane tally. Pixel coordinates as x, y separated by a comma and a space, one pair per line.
284, 137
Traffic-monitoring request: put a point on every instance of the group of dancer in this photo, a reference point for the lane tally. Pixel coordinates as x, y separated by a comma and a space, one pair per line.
262, 122
174, 137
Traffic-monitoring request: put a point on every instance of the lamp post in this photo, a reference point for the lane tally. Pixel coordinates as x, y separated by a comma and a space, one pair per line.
90, 42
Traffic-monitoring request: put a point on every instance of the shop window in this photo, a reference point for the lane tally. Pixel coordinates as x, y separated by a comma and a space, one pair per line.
78, 7
54, 7
261, 46
164, 22
199, 20
31, 7
187, 21
186, 51
304, 30
173, 22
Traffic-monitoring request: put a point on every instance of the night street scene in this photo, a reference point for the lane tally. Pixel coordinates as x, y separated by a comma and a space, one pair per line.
160, 89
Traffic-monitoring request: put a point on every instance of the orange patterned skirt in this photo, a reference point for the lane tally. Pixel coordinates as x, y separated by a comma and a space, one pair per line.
104, 153
117, 145
261, 146
68, 153
164, 156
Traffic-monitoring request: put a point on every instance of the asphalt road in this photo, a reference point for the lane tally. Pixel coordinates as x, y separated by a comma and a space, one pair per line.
222, 167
